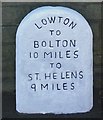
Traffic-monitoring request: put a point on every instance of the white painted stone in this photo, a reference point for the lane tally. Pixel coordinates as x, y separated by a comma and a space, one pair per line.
64, 35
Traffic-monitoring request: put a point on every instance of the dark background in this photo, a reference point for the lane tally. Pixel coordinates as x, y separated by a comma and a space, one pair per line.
12, 14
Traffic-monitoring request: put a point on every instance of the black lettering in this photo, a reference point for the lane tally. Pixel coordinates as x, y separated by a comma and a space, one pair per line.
65, 43
73, 43
76, 54
54, 75
65, 86
37, 76
58, 87
58, 32
67, 74
60, 55
66, 21
55, 54
33, 86
52, 19
47, 76
68, 54
58, 43
74, 75
51, 31
62, 77
72, 25
39, 27
35, 55
60, 19
30, 54
72, 86
81, 74
52, 86
43, 43
51, 65
36, 44
58, 65
44, 86
50, 44
30, 76
44, 21
46, 54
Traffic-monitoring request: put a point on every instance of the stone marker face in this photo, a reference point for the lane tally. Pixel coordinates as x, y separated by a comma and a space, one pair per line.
54, 64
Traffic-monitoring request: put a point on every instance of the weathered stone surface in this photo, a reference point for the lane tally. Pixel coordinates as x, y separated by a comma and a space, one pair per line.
54, 60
